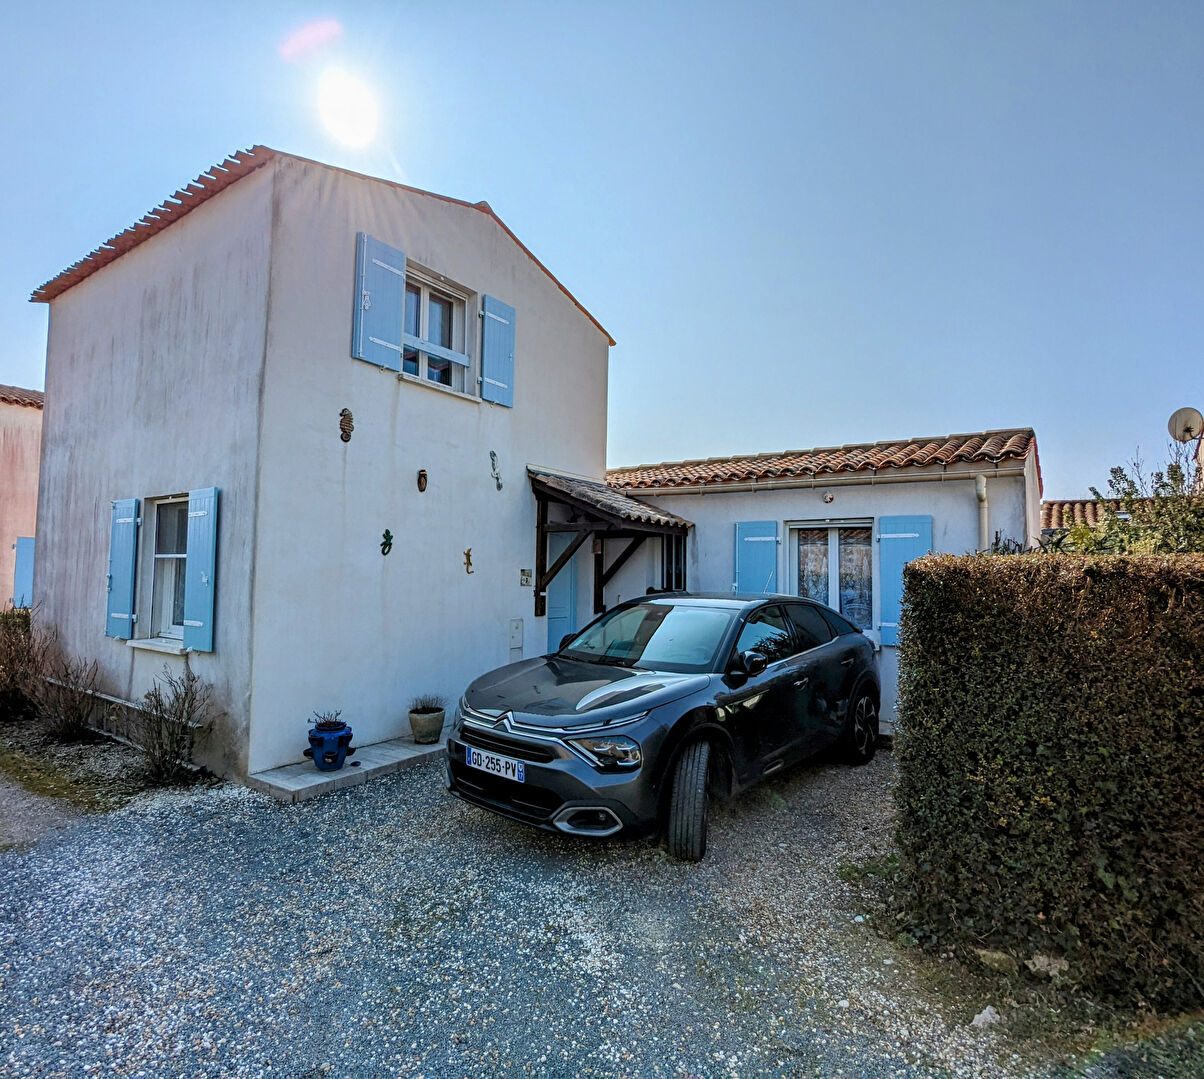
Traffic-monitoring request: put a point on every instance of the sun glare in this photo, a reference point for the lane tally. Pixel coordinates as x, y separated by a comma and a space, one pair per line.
347, 108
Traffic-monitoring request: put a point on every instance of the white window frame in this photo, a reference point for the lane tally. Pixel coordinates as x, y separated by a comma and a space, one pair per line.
159, 604
833, 528
428, 282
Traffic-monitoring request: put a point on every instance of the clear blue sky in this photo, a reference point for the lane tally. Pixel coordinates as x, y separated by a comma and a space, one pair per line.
804, 224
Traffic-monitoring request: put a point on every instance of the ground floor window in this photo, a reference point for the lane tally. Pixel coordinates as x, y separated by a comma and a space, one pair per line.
171, 555
835, 567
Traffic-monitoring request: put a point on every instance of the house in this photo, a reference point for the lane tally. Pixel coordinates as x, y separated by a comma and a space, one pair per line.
307, 427
838, 524
20, 445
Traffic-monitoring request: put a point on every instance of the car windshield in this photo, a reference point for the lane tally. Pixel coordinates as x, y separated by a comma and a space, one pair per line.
655, 637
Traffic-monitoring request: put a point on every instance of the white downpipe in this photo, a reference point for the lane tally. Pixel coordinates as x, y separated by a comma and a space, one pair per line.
980, 492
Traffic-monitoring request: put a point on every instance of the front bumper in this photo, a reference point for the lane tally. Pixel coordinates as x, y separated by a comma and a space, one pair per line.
560, 792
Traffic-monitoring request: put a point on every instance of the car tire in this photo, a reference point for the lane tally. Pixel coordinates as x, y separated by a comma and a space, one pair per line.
860, 738
689, 802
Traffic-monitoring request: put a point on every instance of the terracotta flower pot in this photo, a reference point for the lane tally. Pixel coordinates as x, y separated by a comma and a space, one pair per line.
427, 726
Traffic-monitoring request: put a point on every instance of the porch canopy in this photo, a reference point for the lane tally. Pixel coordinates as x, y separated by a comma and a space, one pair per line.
593, 510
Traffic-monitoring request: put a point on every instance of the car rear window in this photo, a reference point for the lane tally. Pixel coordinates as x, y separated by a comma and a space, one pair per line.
809, 626
839, 626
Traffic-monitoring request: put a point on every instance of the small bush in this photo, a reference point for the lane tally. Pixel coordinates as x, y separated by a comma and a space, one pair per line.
1051, 754
20, 666
65, 696
176, 711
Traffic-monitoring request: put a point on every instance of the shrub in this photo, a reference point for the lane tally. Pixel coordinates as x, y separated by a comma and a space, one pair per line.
175, 712
65, 695
1051, 755
20, 666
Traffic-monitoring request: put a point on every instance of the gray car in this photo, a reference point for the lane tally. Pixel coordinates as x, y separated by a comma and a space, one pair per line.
661, 703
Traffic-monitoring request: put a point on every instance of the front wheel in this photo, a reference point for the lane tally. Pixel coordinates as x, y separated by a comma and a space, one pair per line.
861, 729
688, 803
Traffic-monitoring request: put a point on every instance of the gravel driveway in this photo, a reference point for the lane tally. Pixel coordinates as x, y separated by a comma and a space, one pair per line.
391, 930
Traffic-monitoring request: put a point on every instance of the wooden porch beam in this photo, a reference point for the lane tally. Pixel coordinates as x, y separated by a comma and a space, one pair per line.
624, 555
562, 561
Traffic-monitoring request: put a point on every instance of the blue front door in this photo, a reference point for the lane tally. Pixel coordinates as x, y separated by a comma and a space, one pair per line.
562, 592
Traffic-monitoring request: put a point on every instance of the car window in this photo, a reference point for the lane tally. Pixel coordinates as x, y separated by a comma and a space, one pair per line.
839, 625
655, 636
767, 632
809, 626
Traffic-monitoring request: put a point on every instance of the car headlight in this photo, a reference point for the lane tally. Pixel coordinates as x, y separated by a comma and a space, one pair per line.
610, 751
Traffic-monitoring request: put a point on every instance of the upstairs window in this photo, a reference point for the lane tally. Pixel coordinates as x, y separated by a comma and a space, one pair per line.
415, 322
434, 335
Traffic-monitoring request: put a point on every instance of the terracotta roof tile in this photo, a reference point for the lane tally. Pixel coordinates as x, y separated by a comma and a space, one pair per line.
1068, 513
15, 395
988, 447
216, 179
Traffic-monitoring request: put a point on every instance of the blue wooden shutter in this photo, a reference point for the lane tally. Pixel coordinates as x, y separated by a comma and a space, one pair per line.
23, 573
756, 556
123, 554
497, 353
900, 539
378, 318
200, 570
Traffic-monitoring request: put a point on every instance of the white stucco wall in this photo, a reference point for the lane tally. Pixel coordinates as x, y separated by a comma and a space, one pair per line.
335, 624
152, 388
20, 446
951, 503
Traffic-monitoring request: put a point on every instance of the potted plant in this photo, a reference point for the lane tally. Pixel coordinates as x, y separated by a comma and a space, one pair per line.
329, 741
426, 718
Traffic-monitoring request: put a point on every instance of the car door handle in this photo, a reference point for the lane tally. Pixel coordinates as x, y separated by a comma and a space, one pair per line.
847, 662
801, 683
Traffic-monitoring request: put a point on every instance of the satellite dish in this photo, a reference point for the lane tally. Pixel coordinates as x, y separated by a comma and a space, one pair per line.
1186, 424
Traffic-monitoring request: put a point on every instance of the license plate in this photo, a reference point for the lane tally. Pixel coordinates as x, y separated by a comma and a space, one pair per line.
495, 764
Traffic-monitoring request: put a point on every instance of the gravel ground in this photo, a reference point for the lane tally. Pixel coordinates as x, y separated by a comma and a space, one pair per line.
26, 817
392, 930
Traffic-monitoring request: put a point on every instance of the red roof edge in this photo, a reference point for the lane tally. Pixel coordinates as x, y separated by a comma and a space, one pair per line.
218, 178
184, 201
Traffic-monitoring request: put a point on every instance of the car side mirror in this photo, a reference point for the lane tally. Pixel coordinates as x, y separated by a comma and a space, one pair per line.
754, 663
565, 640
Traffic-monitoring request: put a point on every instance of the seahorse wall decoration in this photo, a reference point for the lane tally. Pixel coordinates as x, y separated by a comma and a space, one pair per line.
493, 469
468, 561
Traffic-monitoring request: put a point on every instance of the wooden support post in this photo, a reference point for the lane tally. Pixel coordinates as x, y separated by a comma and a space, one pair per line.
541, 555
599, 583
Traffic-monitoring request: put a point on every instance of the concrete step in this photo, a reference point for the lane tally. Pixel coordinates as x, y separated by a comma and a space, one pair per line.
297, 782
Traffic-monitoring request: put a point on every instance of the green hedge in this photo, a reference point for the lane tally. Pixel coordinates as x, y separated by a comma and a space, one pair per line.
1051, 759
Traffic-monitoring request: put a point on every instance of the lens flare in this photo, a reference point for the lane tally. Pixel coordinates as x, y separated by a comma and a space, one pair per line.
308, 39
348, 108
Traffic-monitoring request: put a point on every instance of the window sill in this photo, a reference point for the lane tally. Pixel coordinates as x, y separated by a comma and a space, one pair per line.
167, 645
402, 376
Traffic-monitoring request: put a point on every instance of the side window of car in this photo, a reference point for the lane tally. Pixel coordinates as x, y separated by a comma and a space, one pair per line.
767, 632
809, 626
840, 626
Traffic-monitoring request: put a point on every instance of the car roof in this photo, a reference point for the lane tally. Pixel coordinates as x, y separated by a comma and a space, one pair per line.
730, 600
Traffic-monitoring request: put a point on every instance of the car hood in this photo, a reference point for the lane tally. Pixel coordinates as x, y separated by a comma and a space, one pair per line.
556, 692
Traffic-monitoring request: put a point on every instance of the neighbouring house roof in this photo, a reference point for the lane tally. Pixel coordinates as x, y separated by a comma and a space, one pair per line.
15, 395
1061, 514
989, 447
597, 496
217, 179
